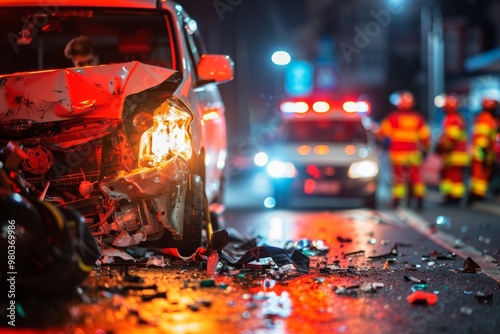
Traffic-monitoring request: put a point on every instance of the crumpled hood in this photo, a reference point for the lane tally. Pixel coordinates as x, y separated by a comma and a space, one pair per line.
96, 91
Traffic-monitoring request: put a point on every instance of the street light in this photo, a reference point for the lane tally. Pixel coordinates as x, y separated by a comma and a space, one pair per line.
432, 52
281, 58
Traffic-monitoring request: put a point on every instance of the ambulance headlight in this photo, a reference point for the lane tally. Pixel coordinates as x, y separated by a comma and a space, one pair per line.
281, 169
363, 169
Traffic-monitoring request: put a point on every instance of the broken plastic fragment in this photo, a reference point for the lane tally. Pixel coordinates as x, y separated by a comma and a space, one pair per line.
393, 252
157, 261
470, 266
279, 256
422, 297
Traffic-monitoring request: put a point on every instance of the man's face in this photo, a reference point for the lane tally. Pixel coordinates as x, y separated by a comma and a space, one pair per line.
85, 60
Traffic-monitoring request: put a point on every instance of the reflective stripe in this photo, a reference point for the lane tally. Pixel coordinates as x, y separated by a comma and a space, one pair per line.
456, 132
457, 189
424, 133
481, 141
458, 159
404, 135
398, 190
478, 186
445, 187
482, 129
406, 158
419, 189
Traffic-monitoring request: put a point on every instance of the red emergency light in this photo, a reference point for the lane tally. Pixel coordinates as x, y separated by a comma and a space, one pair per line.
323, 107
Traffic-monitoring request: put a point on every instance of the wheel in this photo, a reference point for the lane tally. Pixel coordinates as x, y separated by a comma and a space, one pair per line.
193, 217
192, 222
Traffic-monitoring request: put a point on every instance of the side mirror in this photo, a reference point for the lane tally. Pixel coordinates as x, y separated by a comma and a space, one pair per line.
215, 68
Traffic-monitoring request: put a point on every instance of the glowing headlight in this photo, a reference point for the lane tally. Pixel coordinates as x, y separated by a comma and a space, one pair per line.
168, 136
281, 169
363, 169
260, 159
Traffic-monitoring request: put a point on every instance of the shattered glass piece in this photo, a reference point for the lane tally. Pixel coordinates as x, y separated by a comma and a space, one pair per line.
484, 298
157, 261
414, 279
393, 252
318, 280
418, 287
277, 305
124, 239
466, 310
308, 247
422, 297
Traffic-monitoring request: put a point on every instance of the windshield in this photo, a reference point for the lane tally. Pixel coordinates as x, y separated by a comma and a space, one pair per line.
326, 130
32, 40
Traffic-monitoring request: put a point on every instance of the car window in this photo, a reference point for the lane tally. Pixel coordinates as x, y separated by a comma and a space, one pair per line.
333, 131
31, 40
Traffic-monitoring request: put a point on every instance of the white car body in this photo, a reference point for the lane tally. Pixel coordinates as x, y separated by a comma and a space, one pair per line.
325, 155
135, 59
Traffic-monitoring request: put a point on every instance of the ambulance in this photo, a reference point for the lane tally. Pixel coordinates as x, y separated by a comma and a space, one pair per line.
325, 156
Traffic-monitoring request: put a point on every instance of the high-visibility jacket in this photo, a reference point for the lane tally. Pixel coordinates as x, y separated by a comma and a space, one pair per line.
408, 136
452, 144
484, 135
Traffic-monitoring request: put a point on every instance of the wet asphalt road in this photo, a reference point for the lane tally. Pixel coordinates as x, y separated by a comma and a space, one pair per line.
375, 262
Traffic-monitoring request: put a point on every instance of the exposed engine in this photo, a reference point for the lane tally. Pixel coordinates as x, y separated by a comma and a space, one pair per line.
115, 149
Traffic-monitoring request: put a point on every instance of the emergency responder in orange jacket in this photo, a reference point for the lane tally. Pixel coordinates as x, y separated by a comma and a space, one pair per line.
452, 147
407, 138
483, 150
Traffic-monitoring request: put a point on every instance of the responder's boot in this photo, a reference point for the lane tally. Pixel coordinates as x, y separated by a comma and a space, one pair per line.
420, 203
395, 203
472, 198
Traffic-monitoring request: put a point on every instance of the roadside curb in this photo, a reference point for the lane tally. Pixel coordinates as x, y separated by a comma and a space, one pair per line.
447, 241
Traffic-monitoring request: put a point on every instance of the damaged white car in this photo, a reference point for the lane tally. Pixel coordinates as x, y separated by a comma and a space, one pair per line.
136, 143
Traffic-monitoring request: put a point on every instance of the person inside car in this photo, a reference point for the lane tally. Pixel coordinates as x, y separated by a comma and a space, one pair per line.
82, 51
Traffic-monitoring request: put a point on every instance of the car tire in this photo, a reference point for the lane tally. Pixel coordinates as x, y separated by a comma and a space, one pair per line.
194, 209
193, 217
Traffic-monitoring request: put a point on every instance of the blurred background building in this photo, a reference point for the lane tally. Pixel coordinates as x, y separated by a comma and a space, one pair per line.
357, 48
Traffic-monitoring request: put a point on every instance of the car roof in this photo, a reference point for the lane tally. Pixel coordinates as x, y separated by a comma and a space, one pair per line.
151, 4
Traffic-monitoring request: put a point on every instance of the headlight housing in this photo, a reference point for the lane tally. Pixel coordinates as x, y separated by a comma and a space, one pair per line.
168, 136
281, 169
363, 169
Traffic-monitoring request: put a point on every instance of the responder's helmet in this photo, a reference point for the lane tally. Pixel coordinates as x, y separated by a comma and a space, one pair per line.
403, 99
451, 103
490, 104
